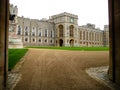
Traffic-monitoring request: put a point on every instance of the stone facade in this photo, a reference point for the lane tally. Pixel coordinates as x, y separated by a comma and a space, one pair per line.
59, 30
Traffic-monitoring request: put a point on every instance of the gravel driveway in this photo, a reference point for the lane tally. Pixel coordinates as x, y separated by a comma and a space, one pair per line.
61, 70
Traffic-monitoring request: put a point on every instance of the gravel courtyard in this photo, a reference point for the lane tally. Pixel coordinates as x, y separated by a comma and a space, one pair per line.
45, 69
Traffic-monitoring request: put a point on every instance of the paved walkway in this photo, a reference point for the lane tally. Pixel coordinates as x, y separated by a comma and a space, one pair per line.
60, 70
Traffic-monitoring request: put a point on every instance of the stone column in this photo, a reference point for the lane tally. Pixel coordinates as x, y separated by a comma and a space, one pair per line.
4, 12
114, 27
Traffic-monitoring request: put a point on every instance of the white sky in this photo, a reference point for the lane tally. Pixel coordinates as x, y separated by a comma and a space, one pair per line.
88, 11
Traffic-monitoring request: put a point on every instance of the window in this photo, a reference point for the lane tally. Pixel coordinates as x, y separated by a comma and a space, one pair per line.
51, 41
33, 39
83, 35
45, 32
71, 20
51, 34
26, 39
80, 35
39, 32
60, 30
19, 30
71, 31
33, 31
26, 31
45, 40
39, 40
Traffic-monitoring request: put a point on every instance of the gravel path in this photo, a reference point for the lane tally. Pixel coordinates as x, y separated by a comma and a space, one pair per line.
61, 70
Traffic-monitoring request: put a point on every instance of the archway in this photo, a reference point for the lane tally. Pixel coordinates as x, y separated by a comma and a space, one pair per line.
60, 42
71, 42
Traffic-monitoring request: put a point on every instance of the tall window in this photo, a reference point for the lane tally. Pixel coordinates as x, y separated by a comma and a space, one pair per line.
92, 35
19, 30
80, 35
50, 41
39, 40
51, 34
60, 30
39, 32
46, 34
83, 35
86, 35
26, 31
33, 31
26, 39
71, 31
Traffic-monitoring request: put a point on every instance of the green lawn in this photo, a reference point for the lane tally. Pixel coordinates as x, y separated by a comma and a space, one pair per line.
14, 55
75, 48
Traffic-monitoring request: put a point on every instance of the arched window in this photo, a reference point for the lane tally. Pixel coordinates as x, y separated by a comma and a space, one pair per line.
60, 30
19, 30
71, 28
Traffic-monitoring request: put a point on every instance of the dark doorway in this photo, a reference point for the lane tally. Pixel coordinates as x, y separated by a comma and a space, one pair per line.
61, 42
71, 42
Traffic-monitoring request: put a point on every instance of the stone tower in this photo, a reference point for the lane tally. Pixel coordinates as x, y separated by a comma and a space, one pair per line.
66, 29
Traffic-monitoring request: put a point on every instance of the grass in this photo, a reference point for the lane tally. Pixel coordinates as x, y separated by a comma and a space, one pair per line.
14, 55
74, 48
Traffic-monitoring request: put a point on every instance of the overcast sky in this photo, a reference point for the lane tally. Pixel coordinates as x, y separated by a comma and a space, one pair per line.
88, 11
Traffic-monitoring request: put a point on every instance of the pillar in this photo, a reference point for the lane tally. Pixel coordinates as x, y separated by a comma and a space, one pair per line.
4, 12
114, 27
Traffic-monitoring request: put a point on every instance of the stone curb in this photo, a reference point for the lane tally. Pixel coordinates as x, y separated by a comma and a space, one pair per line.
100, 74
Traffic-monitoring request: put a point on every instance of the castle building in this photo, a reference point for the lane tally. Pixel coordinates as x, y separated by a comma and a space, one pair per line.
59, 30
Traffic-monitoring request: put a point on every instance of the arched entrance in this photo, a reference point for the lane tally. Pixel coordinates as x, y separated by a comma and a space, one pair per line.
60, 42
71, 42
